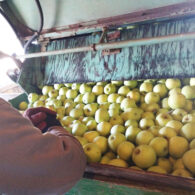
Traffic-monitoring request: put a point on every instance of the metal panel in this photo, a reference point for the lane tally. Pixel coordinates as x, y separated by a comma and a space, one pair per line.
174, 59
59, 13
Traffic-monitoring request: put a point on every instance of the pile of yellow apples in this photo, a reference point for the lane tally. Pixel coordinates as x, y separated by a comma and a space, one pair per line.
138, 124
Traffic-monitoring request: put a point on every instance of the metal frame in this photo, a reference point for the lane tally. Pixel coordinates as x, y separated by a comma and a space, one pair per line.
115, 45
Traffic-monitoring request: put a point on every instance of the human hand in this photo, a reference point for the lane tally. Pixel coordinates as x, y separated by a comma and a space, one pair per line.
42, 118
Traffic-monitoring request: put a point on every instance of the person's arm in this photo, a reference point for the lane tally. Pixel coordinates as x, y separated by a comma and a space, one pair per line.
36, 163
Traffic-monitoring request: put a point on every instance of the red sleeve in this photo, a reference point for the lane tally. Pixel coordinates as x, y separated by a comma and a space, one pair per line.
36, 163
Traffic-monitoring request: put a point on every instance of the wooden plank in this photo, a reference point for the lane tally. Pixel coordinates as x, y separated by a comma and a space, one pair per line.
148, 179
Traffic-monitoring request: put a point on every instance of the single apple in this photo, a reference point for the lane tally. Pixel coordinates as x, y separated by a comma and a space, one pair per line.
101, 115
152, 97
160, 145
172, 83
114, 140
63, 91
58, 86
144, 137
104, 128
79, 98
98, 89
53, 93
161, 89
71, 94
79, 129
76, 113
109, 88
84, 88
103, 98
88, 98
163, 118
32, 97
146, 87
123, 90
90, 109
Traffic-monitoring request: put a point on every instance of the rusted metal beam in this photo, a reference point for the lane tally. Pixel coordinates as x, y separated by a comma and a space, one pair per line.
115, 45
162, 13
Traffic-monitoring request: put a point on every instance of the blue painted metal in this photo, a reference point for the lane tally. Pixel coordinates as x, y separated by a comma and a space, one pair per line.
174, 59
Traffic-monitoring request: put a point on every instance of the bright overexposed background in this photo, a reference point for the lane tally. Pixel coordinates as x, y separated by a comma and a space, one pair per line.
9, 44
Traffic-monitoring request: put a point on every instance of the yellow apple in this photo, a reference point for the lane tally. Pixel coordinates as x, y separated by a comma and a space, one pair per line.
117, 129
160, 145
165, 164
82, 140
152, 97
155, 130
84, 88
123, 90
144, 137
178, 114
172, 83
91, 125
131, 123
163, 118
103, 98
119, 99
71, 94
145, 123
177, 146
76, 86
177, 101
165, 104
131, 83
102, 143
90, 135
104, 128
113, 97
157, 169
174, 91
76, 113
109, 88
79, 129
116, 120
182, 173
192, 81
146, 87
188, 91
192, 144
118, 162
23, 105
79, 98
101, 115
128, 103
144, 156
189, 118
114, 140
132, 114
176, 125
188, 131
134, 95
63, 91
93, 152
167, 132
131, 133
125, 150
98, 89
161, 89
148, 115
